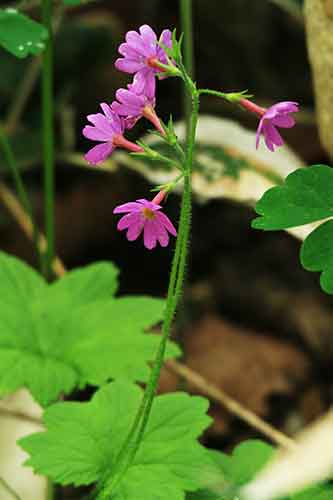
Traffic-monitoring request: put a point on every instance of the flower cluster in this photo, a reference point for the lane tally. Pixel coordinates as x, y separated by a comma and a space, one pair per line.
141, 56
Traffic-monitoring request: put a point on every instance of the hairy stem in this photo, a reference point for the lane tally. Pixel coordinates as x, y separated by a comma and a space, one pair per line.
186, 15
174, 291
48, 135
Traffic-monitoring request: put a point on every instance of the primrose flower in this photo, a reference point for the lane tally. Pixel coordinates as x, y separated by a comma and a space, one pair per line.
133, 106
144, 215
107, 128
276, 116
141, 56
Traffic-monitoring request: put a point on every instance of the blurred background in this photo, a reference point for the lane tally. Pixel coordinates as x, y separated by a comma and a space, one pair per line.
253, 321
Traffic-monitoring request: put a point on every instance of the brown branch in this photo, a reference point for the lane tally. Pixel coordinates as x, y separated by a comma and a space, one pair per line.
230, 404
14, 207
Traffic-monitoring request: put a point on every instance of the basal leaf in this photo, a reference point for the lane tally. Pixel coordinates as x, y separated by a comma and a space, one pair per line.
317, 254
20, 35
82, 442
306, 196
56, 337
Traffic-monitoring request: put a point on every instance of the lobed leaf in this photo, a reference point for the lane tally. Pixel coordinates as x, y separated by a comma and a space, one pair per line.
82, 442
306, 196
74, 332
317, 254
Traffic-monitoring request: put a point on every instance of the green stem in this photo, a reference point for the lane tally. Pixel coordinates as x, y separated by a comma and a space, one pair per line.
213, 92
48, 135
174, 291
19, 185
9, 489
186, 16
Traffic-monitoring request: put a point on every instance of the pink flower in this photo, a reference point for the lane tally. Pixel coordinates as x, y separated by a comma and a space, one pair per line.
141, 55
276, 116
132, 107
108, 128
144, 215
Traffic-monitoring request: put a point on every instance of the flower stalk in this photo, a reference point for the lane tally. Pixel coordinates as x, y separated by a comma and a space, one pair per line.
48, 135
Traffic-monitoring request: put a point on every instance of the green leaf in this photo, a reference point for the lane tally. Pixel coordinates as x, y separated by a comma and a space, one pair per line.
235, 470
247, 459
56, 337
317, 254
322, 492
82, 442
20, 35
306, 196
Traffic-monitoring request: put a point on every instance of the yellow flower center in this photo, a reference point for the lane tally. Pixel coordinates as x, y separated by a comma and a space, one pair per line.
148, 213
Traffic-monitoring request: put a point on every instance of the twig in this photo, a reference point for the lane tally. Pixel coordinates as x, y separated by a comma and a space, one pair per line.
9, 489
190, 375
4, 412
230, 404
16, 210
22, 95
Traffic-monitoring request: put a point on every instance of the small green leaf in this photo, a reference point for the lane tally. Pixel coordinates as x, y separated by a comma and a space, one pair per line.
72, 2
82, 442
247, 459
56, 337
306, 196
317, 254
20, 35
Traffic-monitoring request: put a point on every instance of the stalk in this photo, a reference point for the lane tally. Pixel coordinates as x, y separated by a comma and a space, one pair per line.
48, 135
186, 17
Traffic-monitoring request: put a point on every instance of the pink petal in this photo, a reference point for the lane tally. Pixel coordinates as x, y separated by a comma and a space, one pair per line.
135, 230
107, 110
135, 41
129, 219
161, 233
259, 132
149, 38
130, 98
283, 121
272, 134
129, 52
99, 153
166, 222
96, 134
149, 234
149, 204
127, 207
144, 82
124, 110
128, 65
